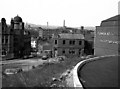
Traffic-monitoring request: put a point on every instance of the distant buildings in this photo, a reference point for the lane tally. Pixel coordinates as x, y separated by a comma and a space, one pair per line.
16, 41
89, 42
68, 44
107, 37
47, 33
44, 48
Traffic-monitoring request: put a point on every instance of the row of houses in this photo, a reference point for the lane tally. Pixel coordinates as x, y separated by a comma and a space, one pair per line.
15, 40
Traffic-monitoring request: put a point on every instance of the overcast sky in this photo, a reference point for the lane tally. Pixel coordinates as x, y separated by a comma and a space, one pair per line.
75, 12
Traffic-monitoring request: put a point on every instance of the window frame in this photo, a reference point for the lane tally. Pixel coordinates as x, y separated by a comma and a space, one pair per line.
64, 42
56, 42
80, 42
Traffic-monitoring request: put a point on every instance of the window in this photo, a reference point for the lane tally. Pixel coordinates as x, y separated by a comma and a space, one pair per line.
80, 42
55, 41
63, 51
3, 52
71, 51
72, 42
6, 41
3, 40
79, 51
63, 41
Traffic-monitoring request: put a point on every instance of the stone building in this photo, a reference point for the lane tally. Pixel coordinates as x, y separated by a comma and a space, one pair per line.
15, 39
68, 44
107, 37
6, 40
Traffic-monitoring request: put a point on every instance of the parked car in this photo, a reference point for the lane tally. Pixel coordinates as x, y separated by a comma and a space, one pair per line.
61, 58
44, 57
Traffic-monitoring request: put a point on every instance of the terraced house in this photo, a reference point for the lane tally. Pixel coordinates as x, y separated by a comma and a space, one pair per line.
68, 44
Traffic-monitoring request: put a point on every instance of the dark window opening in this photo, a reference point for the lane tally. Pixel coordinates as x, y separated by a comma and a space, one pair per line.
63, 41
63, 51
80, 42
71, 51
4, 52
55, 41
2, 40
72, 42
6, 41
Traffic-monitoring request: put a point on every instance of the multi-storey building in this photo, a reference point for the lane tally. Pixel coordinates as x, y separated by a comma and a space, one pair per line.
0, 41
68, 44
107, 37
15, 39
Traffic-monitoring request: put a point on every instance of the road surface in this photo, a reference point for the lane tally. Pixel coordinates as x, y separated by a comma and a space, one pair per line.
102, 72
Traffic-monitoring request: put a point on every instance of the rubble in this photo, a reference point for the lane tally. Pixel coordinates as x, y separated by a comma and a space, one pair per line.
54, 79
61, 86
53, 85
59, 72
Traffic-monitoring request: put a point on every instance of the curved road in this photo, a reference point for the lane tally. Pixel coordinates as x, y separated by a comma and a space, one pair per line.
97, 72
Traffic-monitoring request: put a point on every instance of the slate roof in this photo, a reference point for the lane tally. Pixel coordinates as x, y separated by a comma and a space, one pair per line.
114, 18
71, 36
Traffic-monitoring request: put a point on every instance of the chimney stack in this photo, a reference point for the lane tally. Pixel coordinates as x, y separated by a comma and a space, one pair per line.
64, 23
47, 24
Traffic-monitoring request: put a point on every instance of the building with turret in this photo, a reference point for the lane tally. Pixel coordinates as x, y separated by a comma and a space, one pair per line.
16, 41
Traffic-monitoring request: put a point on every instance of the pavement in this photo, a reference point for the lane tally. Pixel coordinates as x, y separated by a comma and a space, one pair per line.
31, 60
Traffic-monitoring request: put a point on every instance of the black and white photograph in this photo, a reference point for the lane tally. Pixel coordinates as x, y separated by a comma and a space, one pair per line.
59, 44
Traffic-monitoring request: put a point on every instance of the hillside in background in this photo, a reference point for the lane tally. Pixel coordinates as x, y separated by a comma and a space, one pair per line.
55, 27
33, 28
